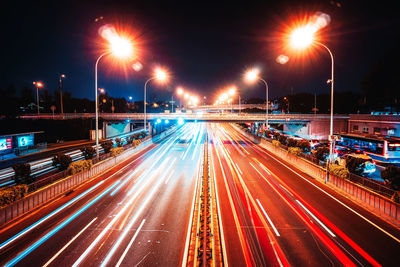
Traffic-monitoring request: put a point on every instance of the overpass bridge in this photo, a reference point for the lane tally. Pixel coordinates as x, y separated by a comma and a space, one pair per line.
198, 116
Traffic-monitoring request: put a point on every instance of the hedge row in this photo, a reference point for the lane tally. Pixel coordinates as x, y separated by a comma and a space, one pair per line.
12, 193
294, 150
116, 151
338, 170
79, 166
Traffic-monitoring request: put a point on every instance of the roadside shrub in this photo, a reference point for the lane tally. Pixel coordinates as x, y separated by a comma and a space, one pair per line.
136, 142
268, 133
304, 145
88, 152
119, 142
22, 173
12, 193
129, 140
276, 143
282, 139
291, 142
391, 174
116, 151
79, 166
338, 170
355, 165
294, 150
62, 161
276, 135
321, 153
107, 145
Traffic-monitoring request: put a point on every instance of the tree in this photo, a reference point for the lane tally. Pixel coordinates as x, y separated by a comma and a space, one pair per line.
88, 152
61, 161
321, 153
22, 173
107, 145
391, 174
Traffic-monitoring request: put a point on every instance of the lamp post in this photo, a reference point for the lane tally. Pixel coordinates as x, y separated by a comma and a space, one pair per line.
301, 38
38, 85
160, 75
62, 76
253, 75
120, 47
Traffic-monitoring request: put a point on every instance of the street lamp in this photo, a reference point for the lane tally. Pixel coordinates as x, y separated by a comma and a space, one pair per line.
122, 48
38, 85
62, 76
253, 75
300, 39
160, 75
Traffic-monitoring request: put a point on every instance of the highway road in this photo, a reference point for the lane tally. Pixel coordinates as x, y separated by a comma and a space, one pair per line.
138, 213
272, 214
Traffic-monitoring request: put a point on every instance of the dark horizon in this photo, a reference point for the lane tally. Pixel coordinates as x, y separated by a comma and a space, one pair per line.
205, 47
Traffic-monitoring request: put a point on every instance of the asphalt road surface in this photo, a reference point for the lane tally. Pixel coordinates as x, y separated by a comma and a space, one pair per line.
138, 214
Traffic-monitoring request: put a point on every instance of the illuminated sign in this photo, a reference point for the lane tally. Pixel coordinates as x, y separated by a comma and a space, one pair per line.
25, 140
5, 143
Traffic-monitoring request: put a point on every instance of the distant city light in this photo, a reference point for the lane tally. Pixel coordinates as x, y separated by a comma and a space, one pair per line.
181, 121
166, 121
158, 120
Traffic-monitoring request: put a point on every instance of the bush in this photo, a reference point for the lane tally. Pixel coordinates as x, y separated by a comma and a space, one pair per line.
291, 142
338, 170
136, 142
107, 145
276, 135
276, 143
62, 161
88, 152
294, 150
391, 174
282, 139
12, 193
355, 165
321, 153
22, 173
268, 133
116, 151
304, 145
79, 166
119, 142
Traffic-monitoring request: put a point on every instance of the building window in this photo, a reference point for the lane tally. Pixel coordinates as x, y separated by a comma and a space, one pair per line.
377, 130
365, 130
355, 128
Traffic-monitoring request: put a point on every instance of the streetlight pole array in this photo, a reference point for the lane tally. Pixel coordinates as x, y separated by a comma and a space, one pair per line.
61, 100
144, 103
266, 104
37, 84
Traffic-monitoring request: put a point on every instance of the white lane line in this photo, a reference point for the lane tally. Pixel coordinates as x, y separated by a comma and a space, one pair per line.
130, 244
188, 232
334, 198
315, 218
69, 243
286, 190
239, 169
269, 220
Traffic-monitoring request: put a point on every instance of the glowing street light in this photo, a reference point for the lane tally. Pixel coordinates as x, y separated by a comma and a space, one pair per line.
120, 47
160, 75
38, 85
179, 90
302, 38
253, 75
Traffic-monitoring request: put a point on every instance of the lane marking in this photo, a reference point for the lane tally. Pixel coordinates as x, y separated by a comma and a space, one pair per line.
286, 190
69, 243
266, 215
59, 227
315, 218
130, 244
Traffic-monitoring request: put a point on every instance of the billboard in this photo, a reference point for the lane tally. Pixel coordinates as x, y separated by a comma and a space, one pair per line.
25, 140
5, 143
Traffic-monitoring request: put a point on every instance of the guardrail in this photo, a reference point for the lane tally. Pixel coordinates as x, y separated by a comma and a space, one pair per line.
52, 191
367, 198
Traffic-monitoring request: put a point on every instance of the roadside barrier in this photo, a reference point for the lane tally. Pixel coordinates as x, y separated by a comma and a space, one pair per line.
54, 190
365, 197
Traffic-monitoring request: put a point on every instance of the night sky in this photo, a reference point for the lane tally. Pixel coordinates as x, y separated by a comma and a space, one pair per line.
205, 45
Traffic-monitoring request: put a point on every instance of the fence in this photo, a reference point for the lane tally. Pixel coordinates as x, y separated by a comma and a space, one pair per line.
52, 191
364, 196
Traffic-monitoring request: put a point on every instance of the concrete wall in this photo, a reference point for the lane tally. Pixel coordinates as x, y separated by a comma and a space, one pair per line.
375, 124
113, 129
